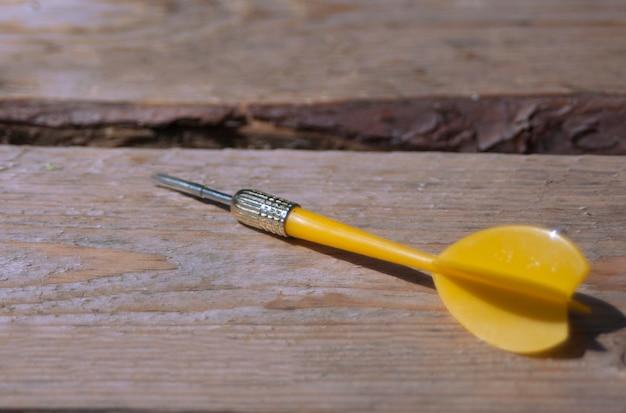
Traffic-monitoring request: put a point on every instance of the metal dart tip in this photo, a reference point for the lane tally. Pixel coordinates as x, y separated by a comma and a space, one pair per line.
192, 188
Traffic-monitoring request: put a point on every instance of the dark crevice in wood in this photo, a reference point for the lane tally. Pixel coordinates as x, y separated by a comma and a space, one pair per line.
586, 124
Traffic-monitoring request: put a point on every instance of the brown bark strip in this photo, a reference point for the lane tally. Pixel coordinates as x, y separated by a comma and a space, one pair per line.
590, 124
557, 125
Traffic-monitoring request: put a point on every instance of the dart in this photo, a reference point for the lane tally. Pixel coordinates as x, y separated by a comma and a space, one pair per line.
511, 286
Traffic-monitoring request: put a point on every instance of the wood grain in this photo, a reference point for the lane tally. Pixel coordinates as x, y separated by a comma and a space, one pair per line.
290, 51
117, 294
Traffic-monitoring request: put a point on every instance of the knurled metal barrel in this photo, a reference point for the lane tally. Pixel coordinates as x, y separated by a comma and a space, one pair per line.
260, 210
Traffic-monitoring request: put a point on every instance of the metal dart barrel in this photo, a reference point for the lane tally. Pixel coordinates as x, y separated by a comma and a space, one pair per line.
250, 207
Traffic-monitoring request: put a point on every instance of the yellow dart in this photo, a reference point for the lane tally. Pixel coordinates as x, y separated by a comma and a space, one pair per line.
511, 286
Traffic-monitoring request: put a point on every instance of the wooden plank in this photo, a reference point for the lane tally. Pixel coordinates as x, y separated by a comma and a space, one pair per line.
277, 51
118, 294
260, 74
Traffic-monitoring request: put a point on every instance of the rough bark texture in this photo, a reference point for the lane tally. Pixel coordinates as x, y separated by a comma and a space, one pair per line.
556, 125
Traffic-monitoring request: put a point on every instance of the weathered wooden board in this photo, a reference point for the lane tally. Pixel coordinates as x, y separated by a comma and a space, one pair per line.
116, 293
399, 75
290, 51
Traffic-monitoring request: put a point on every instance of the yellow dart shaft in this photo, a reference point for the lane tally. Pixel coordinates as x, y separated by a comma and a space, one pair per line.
316, 228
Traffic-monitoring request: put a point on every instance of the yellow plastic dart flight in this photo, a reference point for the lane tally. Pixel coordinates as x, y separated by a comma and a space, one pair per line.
511, 286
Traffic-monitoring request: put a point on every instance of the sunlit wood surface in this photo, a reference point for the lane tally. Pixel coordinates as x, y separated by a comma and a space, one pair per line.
115, 293
292, 51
